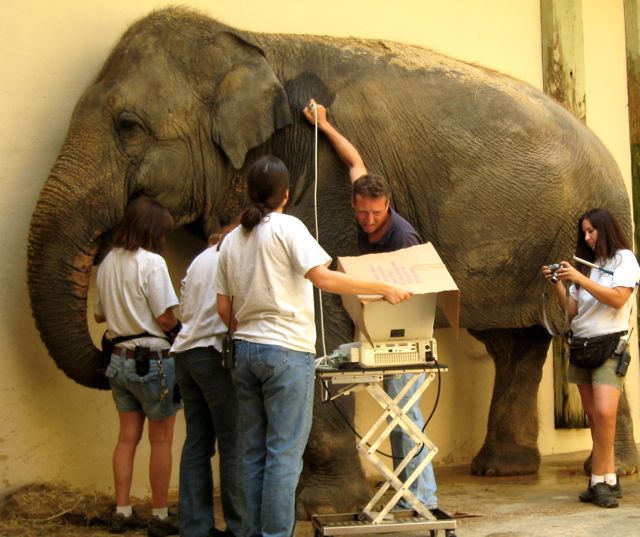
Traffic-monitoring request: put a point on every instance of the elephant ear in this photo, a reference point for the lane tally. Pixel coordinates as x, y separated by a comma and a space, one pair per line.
250, 102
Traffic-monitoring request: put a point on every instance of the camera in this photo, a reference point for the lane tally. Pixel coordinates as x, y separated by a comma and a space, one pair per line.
554, 267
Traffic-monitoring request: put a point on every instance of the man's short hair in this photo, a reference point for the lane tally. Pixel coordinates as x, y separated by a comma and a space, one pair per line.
371, 186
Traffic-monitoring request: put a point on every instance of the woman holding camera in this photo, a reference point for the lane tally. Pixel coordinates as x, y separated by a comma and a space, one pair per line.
598, 305
135, 298
265, 274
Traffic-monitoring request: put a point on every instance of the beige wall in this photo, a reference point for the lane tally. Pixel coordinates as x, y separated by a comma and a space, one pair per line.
51, 428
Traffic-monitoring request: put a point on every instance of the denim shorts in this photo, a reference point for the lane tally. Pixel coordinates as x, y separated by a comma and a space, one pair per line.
133, 393
605, 374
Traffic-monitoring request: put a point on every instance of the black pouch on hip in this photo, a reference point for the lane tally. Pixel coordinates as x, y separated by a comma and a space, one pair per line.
141, 355
590, 353
227, 351
227, 343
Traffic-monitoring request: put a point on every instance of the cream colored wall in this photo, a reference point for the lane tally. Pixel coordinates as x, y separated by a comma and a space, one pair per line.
53, 429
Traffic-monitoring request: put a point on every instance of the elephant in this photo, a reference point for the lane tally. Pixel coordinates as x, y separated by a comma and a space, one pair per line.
489, 169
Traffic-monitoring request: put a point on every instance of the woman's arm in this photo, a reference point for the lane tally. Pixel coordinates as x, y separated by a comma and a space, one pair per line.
223, 303
225, 311
343, 284
615, 297
167, 320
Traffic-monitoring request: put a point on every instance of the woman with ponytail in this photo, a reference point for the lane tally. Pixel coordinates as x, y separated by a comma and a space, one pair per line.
266, 270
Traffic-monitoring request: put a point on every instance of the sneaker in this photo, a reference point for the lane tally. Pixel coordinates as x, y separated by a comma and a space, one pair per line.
587, 495
601, 495
215, 532
616, 489
159, 527
120, 523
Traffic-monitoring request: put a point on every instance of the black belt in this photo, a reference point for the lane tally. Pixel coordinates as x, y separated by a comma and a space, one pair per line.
596, 339
131, 353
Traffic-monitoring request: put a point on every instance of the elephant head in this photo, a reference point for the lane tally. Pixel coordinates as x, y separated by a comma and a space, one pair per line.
172, 115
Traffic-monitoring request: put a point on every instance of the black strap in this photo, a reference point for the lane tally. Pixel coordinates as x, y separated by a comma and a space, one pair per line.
120, 339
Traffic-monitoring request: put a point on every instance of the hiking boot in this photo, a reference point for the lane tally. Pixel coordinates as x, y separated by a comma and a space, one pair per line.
601, 495
120, 523
158, 527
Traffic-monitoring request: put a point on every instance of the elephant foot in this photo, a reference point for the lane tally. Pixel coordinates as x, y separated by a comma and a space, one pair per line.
505, 459
330, 498
627, 463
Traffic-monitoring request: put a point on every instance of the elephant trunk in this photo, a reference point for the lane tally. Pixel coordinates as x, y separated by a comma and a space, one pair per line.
76, 207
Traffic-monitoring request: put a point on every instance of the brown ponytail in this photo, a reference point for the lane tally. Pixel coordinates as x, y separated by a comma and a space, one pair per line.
267, 185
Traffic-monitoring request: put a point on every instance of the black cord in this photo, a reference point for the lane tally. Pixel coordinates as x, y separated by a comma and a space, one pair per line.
352, 429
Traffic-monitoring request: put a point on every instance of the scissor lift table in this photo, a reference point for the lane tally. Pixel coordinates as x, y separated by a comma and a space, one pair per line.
377, 517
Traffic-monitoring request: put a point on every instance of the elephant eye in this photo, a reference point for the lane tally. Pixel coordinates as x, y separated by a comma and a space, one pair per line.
130, 130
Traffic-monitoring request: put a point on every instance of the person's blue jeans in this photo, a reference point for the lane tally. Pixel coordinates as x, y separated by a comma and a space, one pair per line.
424, 487
275, 391
211, 412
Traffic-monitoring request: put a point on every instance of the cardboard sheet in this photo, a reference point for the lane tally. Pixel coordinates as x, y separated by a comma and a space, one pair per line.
418, 268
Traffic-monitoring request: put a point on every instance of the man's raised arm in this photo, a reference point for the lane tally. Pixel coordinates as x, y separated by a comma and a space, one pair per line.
343, 147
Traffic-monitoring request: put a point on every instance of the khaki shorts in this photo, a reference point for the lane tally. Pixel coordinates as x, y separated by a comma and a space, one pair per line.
605, 374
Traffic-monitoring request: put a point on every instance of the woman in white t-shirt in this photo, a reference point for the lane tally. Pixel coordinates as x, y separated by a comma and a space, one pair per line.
598, 304
265, 274
135, 297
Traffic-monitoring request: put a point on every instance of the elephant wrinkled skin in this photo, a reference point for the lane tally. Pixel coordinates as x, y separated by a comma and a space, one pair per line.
487, 168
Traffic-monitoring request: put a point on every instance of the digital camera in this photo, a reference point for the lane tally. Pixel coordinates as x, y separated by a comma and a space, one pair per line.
554, 268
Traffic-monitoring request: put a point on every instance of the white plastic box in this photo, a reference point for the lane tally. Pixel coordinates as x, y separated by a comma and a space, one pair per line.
389, 333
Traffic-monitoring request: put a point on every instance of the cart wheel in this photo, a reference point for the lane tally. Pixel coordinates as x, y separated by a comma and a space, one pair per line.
450, 533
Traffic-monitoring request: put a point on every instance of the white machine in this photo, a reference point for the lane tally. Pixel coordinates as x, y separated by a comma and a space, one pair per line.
387, 353
392, 336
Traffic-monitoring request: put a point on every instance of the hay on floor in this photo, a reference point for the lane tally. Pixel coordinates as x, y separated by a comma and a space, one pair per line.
48, 509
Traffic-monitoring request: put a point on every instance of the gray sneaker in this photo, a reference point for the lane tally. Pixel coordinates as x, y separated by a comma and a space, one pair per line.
587, 495
158, 527
601, 495
616, 489
120, 523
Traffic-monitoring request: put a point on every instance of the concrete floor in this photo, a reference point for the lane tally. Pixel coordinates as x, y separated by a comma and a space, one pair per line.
544, 505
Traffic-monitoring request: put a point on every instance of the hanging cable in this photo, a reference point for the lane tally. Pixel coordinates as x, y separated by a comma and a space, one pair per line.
313, 107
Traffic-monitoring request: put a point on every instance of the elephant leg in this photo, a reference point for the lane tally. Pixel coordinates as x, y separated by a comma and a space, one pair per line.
627, 459
511, 444
333, 480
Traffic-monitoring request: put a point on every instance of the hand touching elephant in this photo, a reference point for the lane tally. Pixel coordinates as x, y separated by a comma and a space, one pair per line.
486, 167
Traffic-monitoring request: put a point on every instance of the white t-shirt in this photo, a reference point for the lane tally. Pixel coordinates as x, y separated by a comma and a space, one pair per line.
201, 324
264, 273
134, 288
595, 318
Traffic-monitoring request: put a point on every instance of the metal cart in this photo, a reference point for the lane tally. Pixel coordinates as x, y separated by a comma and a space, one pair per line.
377, 517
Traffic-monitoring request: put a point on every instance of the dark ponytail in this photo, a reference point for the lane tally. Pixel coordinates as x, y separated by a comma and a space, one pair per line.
267, 185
